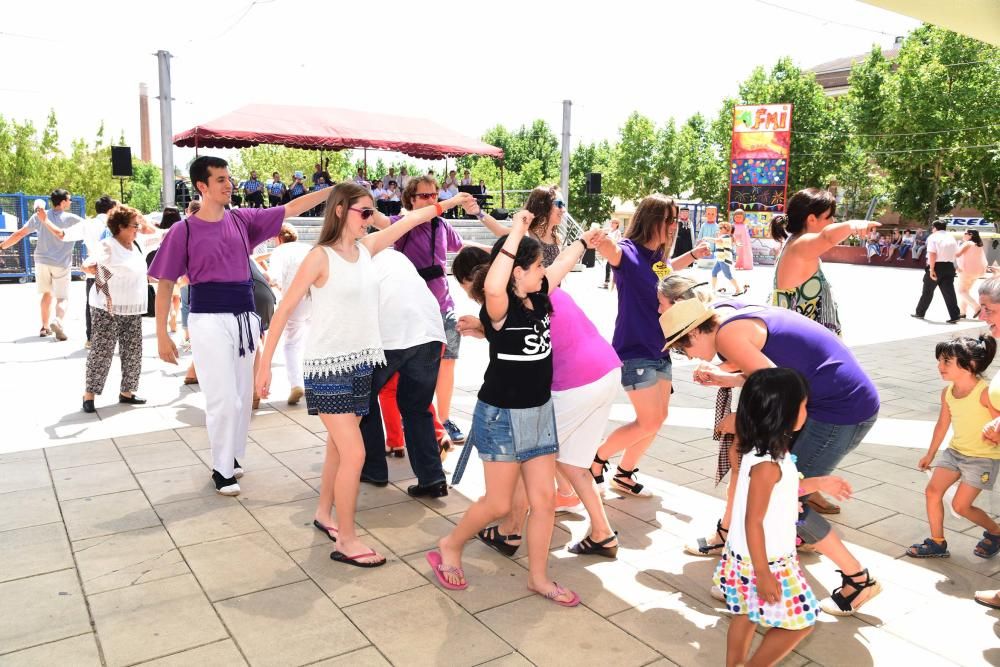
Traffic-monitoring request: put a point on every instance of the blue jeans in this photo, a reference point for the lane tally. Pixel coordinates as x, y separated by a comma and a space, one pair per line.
418, 370
819, 448
642, 373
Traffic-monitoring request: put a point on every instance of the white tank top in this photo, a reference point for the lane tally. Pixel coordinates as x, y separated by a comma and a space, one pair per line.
782, 510
344, 333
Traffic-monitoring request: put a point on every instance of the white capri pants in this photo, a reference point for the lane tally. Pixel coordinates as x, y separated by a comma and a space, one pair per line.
581, 416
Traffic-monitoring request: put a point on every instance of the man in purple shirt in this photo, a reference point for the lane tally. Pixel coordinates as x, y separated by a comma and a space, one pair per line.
427, 246
212, 248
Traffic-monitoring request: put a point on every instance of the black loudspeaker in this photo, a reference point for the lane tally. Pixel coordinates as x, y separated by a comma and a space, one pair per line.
593, 183
121, 162
589, 258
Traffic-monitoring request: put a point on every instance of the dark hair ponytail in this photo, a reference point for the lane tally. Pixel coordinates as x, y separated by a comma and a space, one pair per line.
811, 201
970, 354
768, 411
471, 264
528, 252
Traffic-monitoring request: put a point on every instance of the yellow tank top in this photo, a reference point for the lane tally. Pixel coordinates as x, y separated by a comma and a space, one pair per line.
968, 417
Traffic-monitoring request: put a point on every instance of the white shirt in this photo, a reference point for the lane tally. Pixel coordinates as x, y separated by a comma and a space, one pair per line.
286, 258
782, 510
943, 245
121, 272
409, 314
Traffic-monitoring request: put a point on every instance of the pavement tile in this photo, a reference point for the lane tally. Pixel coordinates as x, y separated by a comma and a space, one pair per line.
285, 438
107, 514
898, 475
289, 625
857, 513
222, 653
905, 530
256, 458
203, 519
366, 657
268, 418
512, 660
453, 503
20, 509
160, 455
240, 565
49, 607
127, 559
150, 438
850, 641
405, 527
558, 635
697, 634
23, 475
92, 480
176, 484
291, 524
348, 585
306, 463
34, 550
260, 488
446, 633
905, 501
78, 651
23, 455
154, 619
85, 453
493, 578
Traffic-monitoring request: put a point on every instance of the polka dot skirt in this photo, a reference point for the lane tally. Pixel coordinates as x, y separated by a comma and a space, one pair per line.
796, 610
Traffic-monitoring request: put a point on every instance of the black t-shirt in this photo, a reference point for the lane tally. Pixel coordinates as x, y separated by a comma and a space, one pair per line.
519, 374
684, 242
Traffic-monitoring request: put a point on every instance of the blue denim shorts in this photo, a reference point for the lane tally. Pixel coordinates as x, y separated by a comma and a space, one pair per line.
514, 435
453, 340
642, 373
342, 393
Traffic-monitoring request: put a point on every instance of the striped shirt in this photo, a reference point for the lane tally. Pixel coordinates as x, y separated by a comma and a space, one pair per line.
253, 185
276, 188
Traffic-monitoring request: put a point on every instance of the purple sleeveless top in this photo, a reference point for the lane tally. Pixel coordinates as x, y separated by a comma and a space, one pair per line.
840, 392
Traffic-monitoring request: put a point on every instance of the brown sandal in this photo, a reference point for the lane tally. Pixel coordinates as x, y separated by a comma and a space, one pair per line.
822, 505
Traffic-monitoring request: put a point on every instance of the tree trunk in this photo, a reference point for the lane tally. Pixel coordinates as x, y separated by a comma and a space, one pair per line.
932, 209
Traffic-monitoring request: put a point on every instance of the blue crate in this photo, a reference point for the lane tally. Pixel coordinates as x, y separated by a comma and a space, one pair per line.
20, 259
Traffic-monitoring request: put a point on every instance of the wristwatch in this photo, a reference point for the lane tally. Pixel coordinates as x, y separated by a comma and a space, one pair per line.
480, 215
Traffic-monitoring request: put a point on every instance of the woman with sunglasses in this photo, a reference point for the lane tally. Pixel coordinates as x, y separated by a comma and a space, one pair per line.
343, 346
639, 261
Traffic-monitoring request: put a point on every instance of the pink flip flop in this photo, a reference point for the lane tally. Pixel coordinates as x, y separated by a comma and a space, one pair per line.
559, 590
440, 569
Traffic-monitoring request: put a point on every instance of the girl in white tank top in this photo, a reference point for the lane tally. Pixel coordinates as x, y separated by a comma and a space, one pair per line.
343, 346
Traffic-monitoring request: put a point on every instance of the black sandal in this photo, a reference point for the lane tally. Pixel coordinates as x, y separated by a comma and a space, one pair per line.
845, 603
632, 488
599, 479
493, 538
588, 547
707, 549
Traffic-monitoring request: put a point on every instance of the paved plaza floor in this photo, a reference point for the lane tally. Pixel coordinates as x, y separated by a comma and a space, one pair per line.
115, 550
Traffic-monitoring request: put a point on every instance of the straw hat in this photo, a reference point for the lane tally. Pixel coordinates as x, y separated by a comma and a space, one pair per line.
682, 318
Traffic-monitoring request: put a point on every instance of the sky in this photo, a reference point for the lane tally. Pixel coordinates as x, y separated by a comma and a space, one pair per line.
481, 64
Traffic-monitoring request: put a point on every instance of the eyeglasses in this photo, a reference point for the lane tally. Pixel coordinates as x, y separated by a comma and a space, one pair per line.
426, 195
365, 212
559, 203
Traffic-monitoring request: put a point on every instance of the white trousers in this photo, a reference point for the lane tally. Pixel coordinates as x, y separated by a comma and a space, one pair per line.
226, 379
294, 340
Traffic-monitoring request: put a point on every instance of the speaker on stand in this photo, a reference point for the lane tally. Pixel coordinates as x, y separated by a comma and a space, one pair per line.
121, 166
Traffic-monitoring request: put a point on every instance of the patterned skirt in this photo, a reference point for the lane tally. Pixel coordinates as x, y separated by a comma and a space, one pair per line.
797, 608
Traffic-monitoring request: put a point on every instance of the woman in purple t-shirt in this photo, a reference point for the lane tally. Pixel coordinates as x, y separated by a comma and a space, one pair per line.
639, 261
843, 403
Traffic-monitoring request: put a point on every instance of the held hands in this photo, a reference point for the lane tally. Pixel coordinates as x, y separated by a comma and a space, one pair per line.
594, 237
470, 325
767, 588
925, 461
701, 251
710, 376
40, 212
864, 226
522, 221
262, 383
837, 487
991, 432
473, 207
166, 349
463, 199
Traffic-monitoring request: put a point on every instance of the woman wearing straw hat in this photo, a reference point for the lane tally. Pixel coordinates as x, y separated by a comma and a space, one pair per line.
843, 402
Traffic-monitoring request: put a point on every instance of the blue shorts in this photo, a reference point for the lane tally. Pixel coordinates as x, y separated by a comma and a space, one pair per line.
724, 268
642, 373
514, 435
339, 394
453, 340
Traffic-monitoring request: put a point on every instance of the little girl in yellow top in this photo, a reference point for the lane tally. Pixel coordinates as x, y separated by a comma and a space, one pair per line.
969, 459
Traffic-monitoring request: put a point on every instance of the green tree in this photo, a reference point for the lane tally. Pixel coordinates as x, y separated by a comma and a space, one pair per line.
703, 162
145, 186
267, 158
635, 169
930, 124
588, 208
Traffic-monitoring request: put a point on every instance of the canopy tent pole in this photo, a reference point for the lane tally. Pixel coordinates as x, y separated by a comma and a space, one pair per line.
503, 203
366, 164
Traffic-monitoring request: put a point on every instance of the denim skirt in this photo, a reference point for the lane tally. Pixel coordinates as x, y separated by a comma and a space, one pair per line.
514, 435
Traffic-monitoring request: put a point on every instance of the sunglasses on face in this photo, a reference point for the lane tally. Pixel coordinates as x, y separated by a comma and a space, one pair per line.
425, 195
559, 203
365, 212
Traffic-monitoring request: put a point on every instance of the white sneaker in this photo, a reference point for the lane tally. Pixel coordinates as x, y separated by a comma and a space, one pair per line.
57, 329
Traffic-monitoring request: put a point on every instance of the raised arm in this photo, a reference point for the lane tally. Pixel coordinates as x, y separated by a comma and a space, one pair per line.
571, 256
498, 276
489, 222
300, 205
700, 251
610, 251
815, 244
15, 237
382, 239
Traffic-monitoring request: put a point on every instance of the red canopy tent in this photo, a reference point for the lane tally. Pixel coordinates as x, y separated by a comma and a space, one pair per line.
320, 128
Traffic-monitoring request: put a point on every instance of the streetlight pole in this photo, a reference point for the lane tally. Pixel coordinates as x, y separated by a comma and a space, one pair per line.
166, 128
